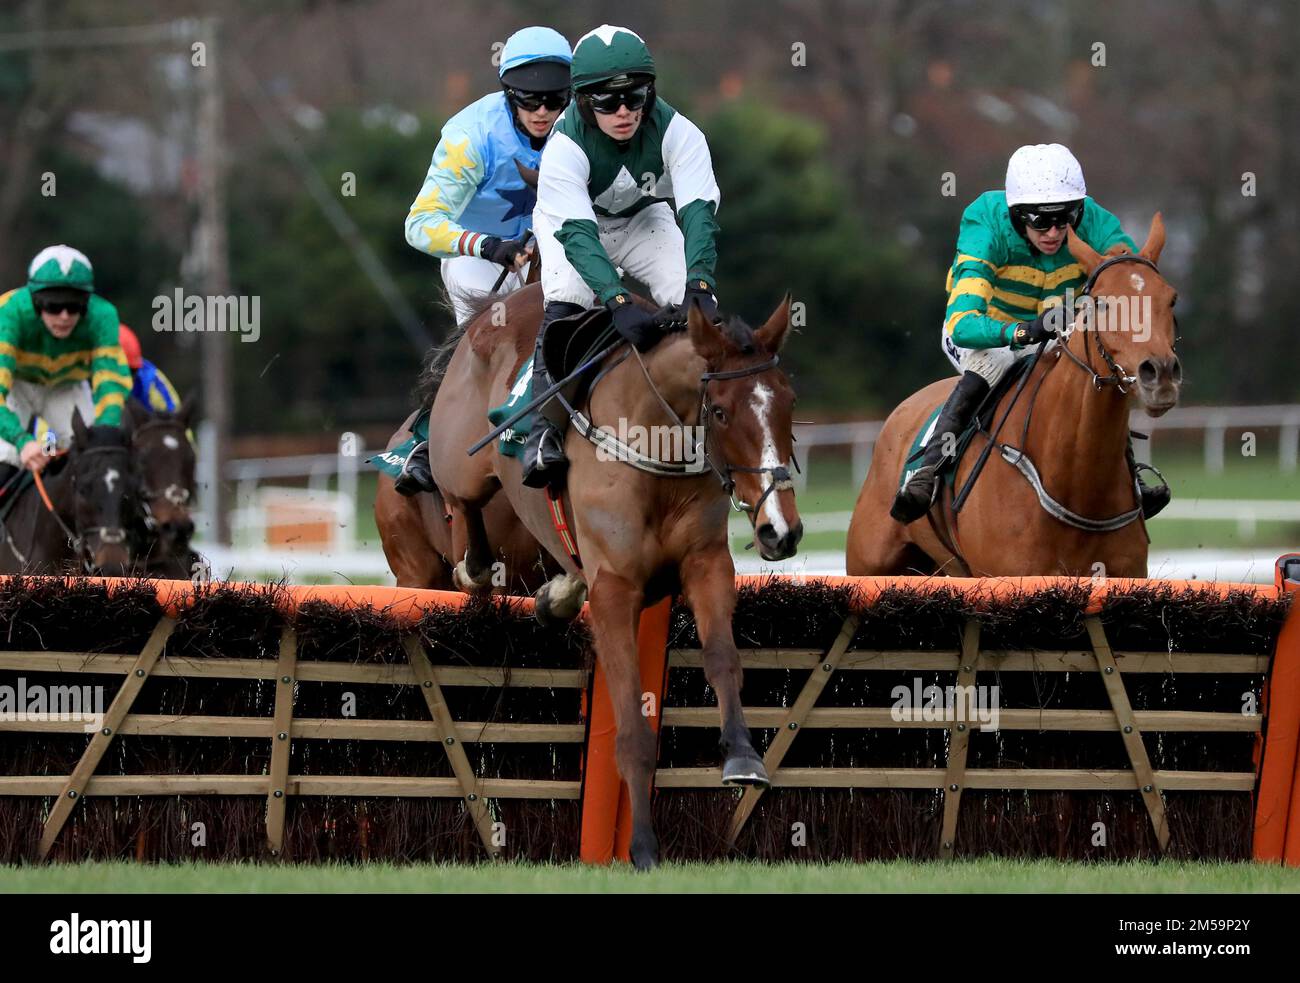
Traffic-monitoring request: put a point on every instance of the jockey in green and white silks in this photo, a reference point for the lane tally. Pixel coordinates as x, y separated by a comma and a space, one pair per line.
474, 207
621, 170
59, 353
1010, 270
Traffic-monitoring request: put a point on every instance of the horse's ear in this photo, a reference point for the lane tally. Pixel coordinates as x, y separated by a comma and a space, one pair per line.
1155, 239
186, 413
706, 336
136, 411
529, 174
772, 334
79, 432
1083, 254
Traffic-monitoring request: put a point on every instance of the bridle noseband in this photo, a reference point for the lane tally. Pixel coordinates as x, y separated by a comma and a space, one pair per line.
1118, 377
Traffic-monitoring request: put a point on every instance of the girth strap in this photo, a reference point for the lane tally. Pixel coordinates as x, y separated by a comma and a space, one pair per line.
1020, 460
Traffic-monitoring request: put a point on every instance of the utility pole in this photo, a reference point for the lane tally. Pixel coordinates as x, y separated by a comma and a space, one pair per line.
213, 268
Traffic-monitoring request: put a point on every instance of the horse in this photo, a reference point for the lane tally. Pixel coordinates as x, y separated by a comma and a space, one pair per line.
165, 464
637, 535
420, 537
91, 498
1069, 418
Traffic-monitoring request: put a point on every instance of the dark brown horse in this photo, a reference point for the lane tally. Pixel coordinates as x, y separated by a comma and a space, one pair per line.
165, 464
1080, 393
640, 536
92, 491
422, 540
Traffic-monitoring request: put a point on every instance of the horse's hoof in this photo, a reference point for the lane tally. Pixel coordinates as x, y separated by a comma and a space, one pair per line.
645, 852
466, 584
745, 770
560, 599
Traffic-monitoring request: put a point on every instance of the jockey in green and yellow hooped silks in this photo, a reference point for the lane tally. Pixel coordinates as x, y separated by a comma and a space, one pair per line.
1012, 268
59, 353
474, 209
619, 155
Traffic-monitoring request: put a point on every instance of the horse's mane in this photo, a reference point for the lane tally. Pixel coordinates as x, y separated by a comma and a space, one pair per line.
438, 356
104, 436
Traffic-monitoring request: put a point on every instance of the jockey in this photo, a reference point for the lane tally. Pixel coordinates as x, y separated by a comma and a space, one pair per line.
619, 155
56, 336
150, 386
474, 208
1012, 269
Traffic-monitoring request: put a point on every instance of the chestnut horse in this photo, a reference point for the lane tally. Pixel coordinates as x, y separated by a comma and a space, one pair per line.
421, 539
1079, 393
640, 536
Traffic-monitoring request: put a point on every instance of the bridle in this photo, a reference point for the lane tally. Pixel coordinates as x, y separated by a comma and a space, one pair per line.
779, 475
78, 539
175, 494
1118, 377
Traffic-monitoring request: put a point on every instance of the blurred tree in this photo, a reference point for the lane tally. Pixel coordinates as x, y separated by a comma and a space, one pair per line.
872, 307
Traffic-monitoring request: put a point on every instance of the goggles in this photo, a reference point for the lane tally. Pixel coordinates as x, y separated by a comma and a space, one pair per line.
606, 103
533, 101
1040, 220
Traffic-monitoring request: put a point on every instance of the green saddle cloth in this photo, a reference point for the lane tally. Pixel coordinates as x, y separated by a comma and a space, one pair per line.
512, 440
392, 461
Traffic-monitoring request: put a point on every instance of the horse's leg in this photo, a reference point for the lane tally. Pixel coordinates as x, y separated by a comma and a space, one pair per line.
474, 572
615, 610
709, 585
560, 598
402, 535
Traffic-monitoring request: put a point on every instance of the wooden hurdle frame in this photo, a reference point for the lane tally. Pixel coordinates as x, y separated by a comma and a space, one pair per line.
1275, 783
606, 826
282, 729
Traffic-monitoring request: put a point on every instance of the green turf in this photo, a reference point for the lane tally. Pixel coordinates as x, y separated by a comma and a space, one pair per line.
968, 876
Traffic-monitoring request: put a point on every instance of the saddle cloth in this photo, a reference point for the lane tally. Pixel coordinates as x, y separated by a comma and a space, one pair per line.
391, 462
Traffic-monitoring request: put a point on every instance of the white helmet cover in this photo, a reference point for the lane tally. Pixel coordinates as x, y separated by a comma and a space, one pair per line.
1044, 174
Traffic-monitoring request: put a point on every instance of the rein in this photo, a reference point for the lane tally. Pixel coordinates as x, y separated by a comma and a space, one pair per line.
1118, 378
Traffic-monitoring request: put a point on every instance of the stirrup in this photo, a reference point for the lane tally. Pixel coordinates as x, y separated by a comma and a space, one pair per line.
412, 481
907, 507
542, 468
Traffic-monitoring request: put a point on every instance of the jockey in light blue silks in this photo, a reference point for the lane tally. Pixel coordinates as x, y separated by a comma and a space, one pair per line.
474, 209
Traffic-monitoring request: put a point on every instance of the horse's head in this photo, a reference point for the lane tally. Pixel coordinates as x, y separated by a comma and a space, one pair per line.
103, 493
1130, 310
748, 404
165, 464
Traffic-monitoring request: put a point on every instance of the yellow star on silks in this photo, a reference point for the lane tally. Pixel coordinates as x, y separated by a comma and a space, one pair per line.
429, 203
455, 157
441, 237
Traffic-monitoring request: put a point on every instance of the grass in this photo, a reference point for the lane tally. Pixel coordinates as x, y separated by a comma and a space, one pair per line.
963, 876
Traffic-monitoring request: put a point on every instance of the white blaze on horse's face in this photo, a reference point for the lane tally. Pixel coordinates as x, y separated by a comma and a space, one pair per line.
110, 479
761, 403
170, 442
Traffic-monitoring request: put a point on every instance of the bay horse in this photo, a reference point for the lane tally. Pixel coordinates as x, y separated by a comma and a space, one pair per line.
1079, 394
422, 539
92, 494
639, 536
165, 466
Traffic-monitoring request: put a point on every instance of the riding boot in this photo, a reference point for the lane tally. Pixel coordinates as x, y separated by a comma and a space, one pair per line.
915, 498
1154, 497
416, 474
544, 460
